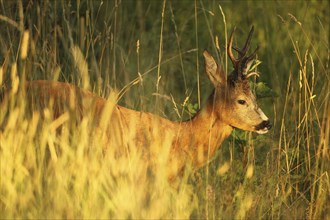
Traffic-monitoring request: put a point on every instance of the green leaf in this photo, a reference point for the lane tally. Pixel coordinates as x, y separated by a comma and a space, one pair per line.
263, 91
238, 137
192, 108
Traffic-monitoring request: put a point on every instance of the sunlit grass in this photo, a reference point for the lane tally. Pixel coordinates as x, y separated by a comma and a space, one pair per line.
66, 167
57, 168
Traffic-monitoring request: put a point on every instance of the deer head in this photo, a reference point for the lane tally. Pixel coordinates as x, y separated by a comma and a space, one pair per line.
233, 101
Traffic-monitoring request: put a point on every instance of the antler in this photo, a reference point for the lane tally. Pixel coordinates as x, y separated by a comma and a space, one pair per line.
243, 59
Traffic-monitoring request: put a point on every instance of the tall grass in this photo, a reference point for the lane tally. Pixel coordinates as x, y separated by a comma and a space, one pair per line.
147, 53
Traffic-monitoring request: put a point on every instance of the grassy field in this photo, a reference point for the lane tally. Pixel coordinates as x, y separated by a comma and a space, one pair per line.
150, 53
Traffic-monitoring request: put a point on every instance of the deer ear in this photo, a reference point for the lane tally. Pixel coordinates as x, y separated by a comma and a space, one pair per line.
213, 71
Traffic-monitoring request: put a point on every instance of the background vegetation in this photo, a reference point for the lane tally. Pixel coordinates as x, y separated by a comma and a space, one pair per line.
151, 52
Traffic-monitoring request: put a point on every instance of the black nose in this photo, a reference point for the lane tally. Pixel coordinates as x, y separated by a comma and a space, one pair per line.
267, 124
264, 124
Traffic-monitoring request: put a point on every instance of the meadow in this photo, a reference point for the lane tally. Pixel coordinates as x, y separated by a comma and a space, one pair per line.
149, 53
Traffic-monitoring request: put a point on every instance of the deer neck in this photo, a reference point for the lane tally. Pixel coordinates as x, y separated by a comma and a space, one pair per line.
206, 131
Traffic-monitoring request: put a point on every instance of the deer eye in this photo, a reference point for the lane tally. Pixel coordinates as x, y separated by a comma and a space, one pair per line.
241, 102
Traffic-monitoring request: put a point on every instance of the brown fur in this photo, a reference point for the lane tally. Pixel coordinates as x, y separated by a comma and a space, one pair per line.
194, 141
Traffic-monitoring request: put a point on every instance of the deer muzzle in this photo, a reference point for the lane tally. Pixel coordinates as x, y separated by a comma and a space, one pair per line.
263, 127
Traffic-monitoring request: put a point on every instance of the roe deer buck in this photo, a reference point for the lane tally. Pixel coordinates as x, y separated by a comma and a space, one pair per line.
231, 105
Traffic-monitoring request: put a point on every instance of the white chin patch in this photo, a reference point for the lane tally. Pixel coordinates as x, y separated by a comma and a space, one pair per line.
262, 131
